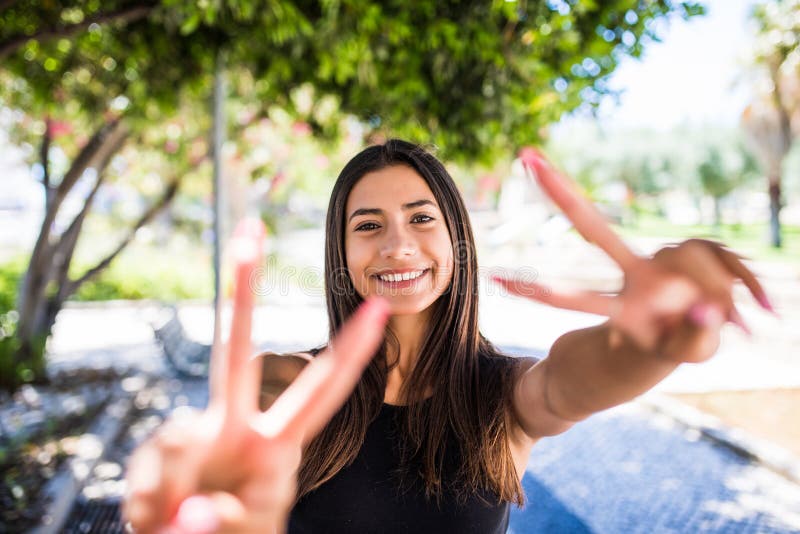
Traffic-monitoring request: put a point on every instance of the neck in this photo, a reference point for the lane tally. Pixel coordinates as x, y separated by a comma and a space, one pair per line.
409, 331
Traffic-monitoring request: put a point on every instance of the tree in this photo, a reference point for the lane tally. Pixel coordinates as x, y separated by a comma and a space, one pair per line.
771, 120
475, 78
719, 177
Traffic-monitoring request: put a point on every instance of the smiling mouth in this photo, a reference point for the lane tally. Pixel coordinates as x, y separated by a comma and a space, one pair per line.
399, 278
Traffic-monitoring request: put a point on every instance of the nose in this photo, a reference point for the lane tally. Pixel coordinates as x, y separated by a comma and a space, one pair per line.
398, 243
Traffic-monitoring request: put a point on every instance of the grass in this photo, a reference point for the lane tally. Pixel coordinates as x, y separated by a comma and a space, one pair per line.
750, 240
167, 273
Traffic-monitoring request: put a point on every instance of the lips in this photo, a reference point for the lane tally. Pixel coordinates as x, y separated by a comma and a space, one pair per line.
397, 277
405, 277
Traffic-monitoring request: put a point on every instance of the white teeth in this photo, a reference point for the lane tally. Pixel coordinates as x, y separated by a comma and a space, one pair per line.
399, 277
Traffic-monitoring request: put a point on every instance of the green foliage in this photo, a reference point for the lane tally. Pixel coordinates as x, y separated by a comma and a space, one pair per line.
13, 370
778, 30
650, 162
146, 273
747, 239
721, 172
475, 78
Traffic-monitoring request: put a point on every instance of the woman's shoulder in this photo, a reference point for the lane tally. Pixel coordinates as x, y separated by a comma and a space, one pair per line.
278, 371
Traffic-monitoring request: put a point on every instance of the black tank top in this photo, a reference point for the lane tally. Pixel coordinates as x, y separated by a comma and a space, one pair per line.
367, 497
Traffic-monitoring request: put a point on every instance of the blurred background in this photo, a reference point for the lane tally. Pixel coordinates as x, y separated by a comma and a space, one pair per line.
134, 134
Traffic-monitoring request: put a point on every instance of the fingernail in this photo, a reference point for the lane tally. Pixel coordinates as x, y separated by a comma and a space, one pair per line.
529, 155
703, 314
765, 303
736, 318
197, 516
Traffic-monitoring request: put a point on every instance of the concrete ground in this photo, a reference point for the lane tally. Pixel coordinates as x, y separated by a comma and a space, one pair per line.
625, 470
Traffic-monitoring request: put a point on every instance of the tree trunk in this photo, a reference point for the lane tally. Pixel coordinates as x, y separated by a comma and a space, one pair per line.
41, 290
717, 214
774, 212
39, 272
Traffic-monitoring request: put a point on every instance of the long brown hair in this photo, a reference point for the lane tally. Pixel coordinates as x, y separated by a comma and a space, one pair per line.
471, 381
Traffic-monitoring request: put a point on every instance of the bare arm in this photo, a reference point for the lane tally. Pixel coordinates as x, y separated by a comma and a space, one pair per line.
583, 375
671, 310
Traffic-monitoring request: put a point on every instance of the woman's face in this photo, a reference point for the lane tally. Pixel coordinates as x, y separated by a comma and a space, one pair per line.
396, 240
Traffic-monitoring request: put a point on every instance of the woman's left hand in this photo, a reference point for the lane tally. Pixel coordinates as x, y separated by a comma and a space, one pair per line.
673, 304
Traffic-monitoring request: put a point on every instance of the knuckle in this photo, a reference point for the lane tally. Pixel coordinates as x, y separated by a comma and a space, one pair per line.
175, 436
693, 245
664, 253
698, 242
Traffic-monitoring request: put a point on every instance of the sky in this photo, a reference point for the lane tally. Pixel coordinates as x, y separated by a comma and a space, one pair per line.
689, 77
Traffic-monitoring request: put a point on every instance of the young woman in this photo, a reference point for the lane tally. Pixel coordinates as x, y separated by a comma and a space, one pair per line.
410, 420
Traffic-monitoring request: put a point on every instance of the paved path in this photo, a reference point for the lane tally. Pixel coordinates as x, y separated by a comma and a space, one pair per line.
629, 471
625, 470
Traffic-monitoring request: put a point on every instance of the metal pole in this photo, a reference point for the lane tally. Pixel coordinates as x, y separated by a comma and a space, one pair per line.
218, 193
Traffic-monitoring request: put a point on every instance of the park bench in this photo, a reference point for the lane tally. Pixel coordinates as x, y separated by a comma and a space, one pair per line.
187, 357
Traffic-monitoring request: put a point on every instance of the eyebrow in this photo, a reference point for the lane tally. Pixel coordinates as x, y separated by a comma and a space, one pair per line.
378, 211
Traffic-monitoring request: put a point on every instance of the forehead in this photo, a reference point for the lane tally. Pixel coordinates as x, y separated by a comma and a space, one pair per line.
389, 187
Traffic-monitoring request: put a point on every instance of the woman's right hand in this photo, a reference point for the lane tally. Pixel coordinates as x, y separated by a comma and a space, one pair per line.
232, 468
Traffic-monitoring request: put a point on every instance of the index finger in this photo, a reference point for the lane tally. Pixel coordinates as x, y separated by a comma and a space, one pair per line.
235, 375
322, 387
588, 221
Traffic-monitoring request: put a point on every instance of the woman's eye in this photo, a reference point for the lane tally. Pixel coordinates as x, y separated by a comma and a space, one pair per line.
366, 227
422, 218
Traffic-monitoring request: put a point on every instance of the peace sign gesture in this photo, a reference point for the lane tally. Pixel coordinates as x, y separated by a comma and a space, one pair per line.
233, 468
673, 304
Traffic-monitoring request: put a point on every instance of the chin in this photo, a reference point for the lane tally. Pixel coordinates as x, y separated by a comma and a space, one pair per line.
403, 305
406, 309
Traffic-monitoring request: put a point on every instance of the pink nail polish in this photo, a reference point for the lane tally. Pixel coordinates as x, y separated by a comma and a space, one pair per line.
765, 303
703, 314
736, 318
197, 516
697, 314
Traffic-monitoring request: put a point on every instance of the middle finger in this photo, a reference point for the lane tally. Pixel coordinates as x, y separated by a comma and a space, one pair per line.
588, 221
325, 383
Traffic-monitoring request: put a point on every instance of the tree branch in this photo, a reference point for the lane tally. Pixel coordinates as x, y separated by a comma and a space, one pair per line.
44, 152
109, 152
65, 248
40, 265
146, 217
128, 14
90, 151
